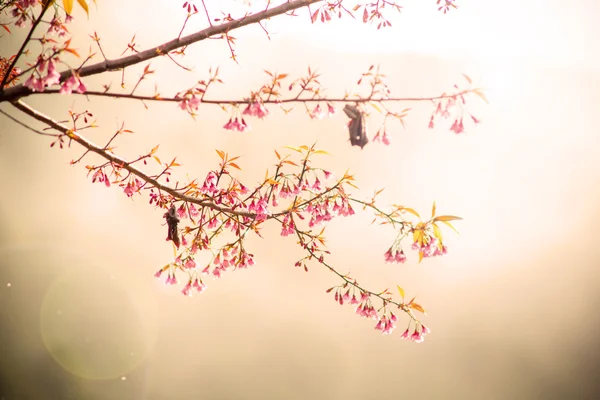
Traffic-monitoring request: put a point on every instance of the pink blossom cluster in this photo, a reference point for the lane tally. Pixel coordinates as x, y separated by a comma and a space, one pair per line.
387, 324
383, 137
287, 226
430, 248
56, 26
193, 285
100, 176
190, 103
237, 124
394, 256
256, 109
319, 113
445, 109
38, 83
418, 335
227, 259
133, 186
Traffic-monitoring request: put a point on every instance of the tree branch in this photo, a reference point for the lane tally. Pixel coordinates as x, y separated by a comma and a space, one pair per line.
273, 101
25, 42
18, 91
123, 163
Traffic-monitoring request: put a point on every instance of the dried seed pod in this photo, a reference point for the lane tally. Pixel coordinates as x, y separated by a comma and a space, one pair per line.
357, 127
172, 221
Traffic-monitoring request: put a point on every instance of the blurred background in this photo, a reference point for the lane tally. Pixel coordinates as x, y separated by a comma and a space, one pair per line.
512, 307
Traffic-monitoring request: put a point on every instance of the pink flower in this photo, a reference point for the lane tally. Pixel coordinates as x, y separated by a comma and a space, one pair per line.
189, 264
389, 256
405, 335
400, 257
28, 3
330, 110
187, 288
132, 187
35, 84
475, 120
317, 185
417, 337
431, 123
317, 112
424, 330
199, 286
72, 83
190, 103
53, 77
256, 109
386, 138
236, 125
457, 127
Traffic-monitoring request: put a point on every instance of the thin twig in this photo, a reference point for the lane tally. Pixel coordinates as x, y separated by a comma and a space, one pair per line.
25, 42
123, 163
15, 92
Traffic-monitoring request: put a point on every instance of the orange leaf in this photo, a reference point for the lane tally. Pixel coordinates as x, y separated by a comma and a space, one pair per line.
410, 210
417, 307
445, 218
68, 6
84, 5
234, 165
401, 291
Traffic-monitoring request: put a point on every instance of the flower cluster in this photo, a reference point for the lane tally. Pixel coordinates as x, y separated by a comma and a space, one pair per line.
418, 335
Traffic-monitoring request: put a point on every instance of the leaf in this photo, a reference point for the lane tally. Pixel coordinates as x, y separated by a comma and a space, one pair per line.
376, 107
433, 210
479, 93
84, 5
293, 148
451, 226
445, 218
413, 212
282, 76
467, 78
157, 159
401, 291
421, 254
417, 307
320, 152
221, 154
234, 165
68, 6
277, 154
437, 232
7, 28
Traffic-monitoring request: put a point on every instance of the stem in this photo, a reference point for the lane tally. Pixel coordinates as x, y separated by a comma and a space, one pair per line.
35, 24
18, 91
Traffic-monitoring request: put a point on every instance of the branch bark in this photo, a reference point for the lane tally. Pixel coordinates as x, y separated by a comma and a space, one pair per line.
118, 161
16, 92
